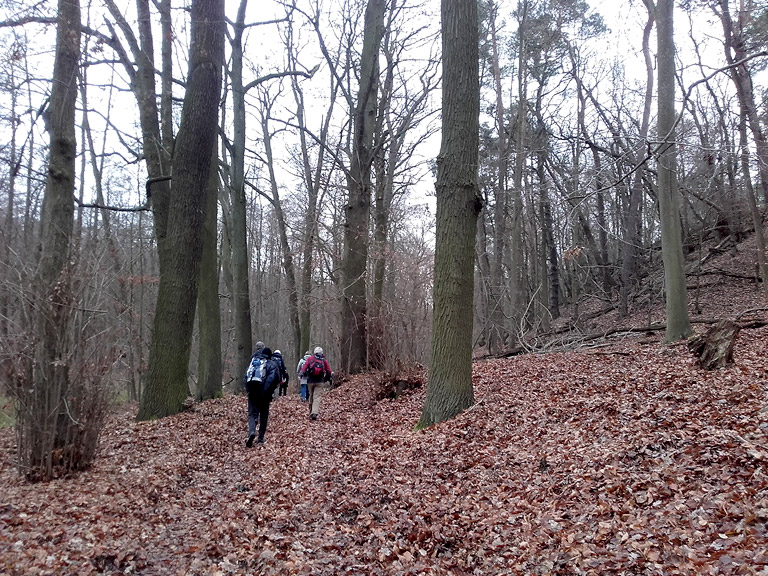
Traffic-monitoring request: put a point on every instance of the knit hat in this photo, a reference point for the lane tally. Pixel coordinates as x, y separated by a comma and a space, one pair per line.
318, 350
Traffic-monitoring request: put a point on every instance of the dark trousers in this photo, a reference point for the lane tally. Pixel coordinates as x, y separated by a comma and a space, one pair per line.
283, 388
258, 411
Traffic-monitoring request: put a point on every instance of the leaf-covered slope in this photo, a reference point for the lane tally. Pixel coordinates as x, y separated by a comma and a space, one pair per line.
619, 460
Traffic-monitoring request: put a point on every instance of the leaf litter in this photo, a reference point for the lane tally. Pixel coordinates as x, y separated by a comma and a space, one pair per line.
622, 459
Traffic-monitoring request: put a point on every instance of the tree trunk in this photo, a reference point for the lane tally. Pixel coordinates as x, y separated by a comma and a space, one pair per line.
548, 241
631, 247
313, 181
208, 309
7, 233
285, 247
498, 335
516, 292
43, 423
354, 357
678, 322
757, 216
735, 50
458, 205
238, 238
167, 385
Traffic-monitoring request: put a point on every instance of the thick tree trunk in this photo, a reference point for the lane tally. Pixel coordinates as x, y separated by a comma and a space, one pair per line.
354, 356
548, 247
167, 373
458, 205
678, 322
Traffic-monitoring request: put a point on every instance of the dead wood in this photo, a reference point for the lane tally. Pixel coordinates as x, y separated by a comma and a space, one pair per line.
714, 348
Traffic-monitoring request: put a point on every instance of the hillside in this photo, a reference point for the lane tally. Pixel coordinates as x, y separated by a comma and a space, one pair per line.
615, 456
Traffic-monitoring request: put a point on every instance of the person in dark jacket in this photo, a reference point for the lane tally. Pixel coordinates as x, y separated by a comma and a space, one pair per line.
318, 373
282, 388
260, 388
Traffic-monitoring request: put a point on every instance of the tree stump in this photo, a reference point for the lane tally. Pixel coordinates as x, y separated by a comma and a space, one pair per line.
714, 348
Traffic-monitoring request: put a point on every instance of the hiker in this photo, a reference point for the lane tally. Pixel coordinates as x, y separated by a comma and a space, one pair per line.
261, 378
282, 388
318, 374
303, 377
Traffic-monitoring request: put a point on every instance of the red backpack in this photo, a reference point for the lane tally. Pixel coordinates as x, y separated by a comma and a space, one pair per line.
314, 368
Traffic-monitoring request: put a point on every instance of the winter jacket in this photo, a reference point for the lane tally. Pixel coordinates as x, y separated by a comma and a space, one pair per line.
326, 377
278, 358
271, 377
300, 367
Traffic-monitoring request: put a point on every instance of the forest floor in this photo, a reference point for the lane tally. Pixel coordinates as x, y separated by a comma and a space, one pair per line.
612, 456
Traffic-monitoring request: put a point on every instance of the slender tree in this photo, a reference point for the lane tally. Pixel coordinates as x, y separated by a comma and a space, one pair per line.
631, 246
208, 309
241, 301
50, 370
678, 322
458, 205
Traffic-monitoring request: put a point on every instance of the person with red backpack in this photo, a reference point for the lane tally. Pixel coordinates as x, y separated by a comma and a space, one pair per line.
318, 373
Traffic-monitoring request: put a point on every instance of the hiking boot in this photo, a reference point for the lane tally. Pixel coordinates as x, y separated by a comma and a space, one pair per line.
249, 442
313, 416
260, 440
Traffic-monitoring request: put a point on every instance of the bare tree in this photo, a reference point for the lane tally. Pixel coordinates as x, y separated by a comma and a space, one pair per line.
166, 387
354, 309
44, 423
678, 322
458, 205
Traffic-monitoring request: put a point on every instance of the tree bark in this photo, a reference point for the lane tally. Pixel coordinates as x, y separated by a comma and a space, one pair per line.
735, 50
714, 348
167, 386
43, 427
354, 313
632, 244
678, 322
757, 216
516, 275
458, 205
238, 238
498, 334
208, 308
282, 227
